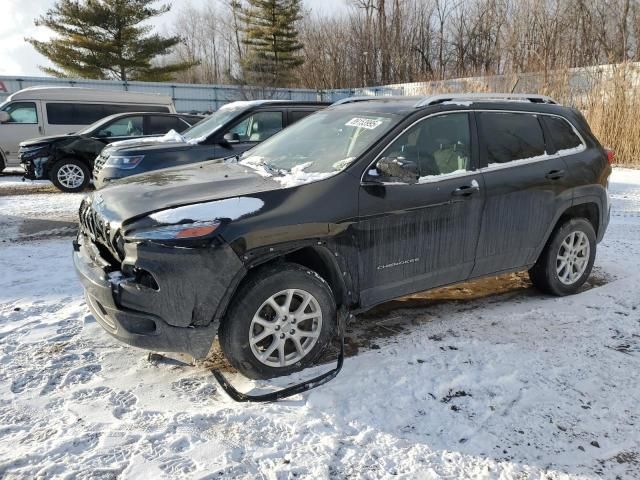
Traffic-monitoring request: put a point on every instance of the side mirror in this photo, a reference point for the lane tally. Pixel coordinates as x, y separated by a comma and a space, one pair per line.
398, 168
231, 137
4, 117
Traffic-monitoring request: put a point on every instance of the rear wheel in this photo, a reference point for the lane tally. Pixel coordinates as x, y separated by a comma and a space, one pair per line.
566, 261
70, 175
279, 322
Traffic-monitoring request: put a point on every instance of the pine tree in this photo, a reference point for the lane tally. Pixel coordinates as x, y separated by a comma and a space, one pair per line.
271, 38
105, 39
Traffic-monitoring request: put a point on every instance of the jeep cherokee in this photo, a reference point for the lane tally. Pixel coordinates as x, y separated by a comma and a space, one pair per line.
355, 205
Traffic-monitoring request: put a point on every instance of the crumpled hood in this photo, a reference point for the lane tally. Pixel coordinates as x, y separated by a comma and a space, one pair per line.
47, 140
143, 194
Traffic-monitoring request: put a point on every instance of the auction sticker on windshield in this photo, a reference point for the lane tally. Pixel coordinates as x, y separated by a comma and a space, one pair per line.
368, 123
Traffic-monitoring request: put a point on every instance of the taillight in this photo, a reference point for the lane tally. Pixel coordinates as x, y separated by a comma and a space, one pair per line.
611, 155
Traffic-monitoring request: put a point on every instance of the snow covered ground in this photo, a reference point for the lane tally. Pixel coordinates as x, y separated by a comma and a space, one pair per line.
509, 384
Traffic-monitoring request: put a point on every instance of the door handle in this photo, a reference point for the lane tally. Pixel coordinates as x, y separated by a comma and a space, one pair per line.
466, 190
555, 174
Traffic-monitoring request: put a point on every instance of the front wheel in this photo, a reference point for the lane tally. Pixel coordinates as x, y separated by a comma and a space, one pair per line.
280, 321
70, 175
566, 261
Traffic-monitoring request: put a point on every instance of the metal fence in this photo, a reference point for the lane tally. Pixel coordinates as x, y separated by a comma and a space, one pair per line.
186, 97
205, 98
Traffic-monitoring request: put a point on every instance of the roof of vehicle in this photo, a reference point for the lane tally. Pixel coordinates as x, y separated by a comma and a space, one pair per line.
89, 95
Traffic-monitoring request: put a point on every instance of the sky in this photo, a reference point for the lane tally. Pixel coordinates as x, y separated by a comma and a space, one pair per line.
18, 57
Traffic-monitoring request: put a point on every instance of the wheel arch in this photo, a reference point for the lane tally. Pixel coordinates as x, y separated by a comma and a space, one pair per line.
588, 208
318, 258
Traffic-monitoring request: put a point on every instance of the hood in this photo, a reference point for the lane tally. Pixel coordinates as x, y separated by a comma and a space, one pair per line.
145, 146
171, 141
143, 194
47, 140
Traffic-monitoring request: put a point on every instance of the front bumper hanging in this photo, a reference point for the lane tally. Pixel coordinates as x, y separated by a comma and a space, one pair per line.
343, 318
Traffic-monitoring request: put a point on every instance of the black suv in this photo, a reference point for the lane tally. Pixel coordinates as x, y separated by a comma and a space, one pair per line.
67, 160
233, 129
353, 206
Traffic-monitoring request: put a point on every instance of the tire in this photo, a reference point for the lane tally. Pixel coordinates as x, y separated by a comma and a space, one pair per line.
252, 300
70, 175
567, 259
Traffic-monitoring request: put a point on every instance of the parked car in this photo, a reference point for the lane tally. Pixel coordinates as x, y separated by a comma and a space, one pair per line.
67, 160
355, 205
233, 129
38, 111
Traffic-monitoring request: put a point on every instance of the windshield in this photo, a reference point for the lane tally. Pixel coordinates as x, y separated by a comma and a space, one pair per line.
206, 127
325, 142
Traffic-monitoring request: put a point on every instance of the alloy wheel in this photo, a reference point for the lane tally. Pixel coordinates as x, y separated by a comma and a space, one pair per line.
70, 176
285, 328
573, 257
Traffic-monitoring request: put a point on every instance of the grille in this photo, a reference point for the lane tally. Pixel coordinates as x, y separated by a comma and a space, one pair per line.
98, 163
93, 225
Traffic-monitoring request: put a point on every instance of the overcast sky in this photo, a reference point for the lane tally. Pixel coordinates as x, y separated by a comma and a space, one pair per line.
18, 57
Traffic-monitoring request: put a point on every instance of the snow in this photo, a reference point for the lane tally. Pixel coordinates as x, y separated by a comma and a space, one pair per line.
506, 385
170, 137
297, 176
459, 103
544, 156
231, 208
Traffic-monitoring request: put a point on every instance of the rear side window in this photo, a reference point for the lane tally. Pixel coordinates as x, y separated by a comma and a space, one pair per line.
511, 136
562, 134
160, 124
74, 113
87, 113
295, 115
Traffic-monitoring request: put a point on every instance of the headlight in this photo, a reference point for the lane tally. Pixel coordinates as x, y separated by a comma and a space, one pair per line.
124, 162
174, 232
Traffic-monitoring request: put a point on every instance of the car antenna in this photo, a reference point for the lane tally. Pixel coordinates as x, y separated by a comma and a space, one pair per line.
343, 317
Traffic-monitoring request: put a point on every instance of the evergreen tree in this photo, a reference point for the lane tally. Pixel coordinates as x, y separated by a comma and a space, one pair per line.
105, 39
271, 38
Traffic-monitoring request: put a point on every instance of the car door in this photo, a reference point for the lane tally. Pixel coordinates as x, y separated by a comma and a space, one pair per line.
525, 186
250, 131
417, 236
23, 124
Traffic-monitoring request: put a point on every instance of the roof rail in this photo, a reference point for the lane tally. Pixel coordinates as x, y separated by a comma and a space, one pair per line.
451, 97
366, 98
351, 100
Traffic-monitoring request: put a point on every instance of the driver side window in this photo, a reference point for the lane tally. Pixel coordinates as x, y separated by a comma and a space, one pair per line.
123, 127
438, 145
258, 127
22, 112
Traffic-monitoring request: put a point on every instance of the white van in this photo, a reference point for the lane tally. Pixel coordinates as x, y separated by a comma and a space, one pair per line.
39, 111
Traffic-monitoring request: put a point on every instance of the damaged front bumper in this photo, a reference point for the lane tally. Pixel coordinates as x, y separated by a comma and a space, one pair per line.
171, 306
